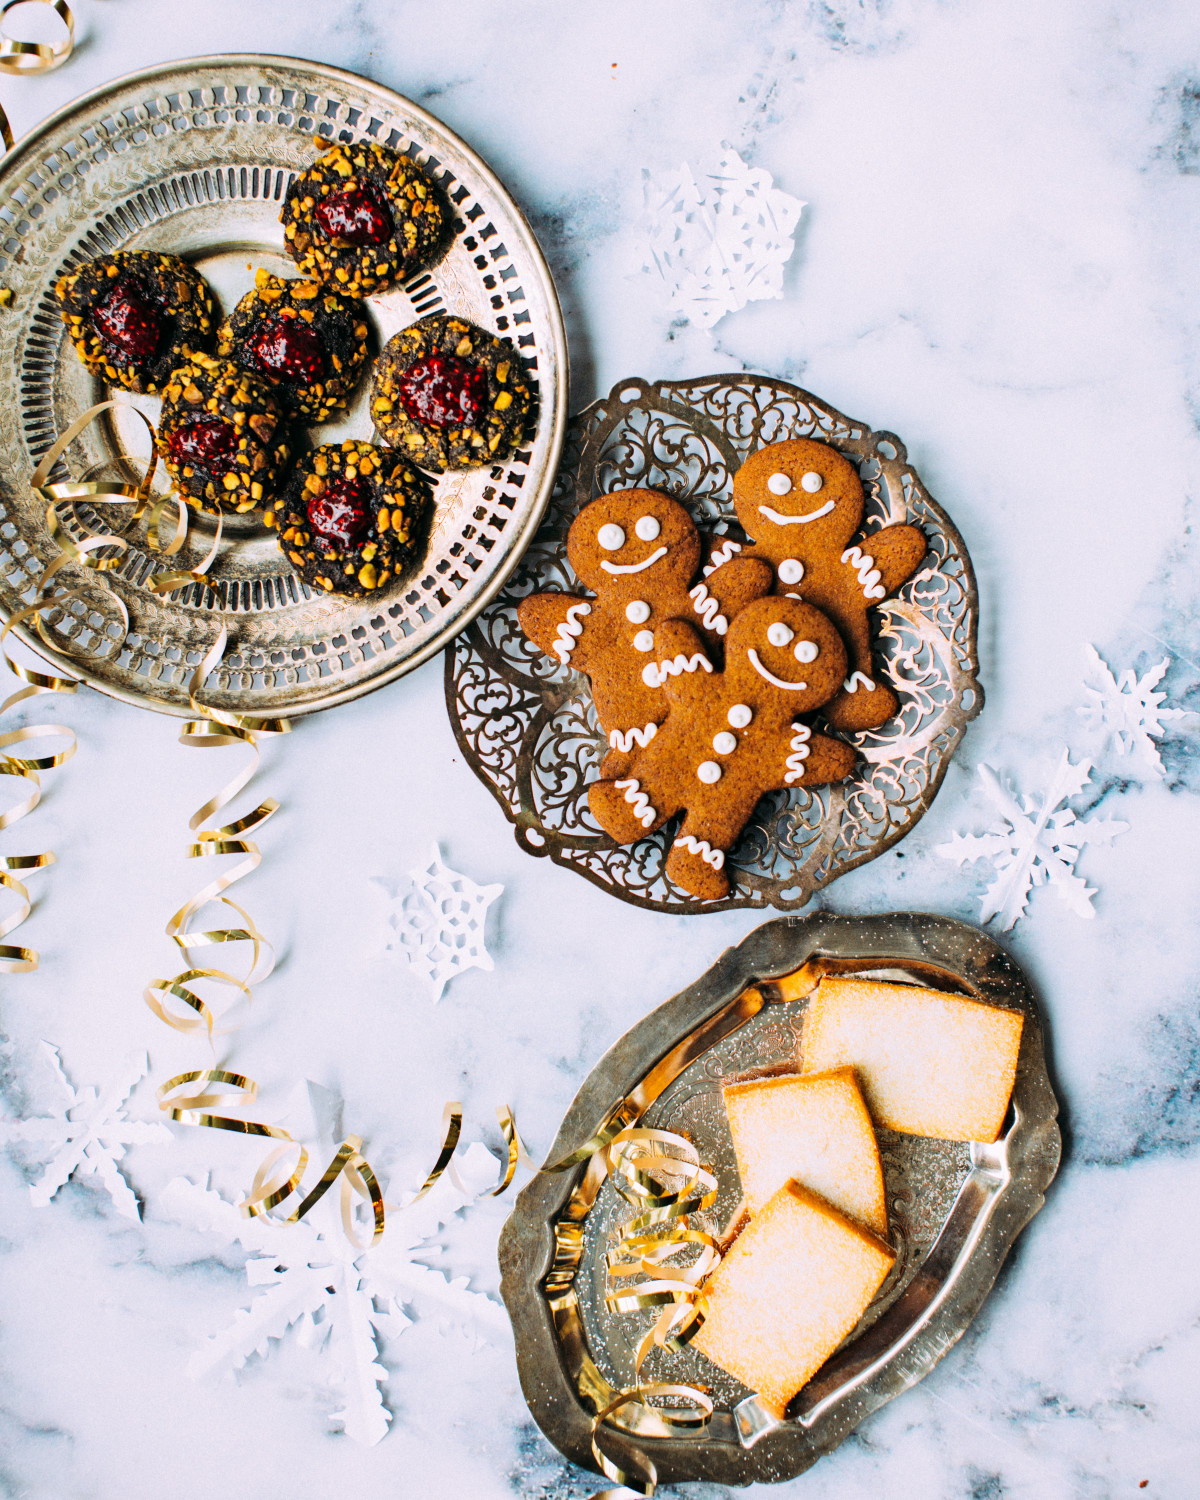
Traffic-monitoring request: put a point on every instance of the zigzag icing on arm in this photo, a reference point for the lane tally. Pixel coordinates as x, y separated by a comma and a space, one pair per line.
795, 761
624, 742
708, 609
654, 675
638, 800
720, 557
569, 631
710, 856
857, 679
868, 574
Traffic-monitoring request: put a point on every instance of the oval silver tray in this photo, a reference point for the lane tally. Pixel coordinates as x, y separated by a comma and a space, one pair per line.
193, 158
954, 1209
527, 726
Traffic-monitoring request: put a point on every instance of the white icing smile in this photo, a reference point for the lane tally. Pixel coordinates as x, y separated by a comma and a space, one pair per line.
634, 567
792, 687
781, 520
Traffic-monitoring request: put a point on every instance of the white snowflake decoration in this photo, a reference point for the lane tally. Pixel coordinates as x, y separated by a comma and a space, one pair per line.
91, 1132
340, 1299
440, 923
719, 242
1128, 708
1035, 841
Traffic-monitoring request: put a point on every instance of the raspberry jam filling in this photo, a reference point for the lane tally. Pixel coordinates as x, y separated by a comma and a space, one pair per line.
444, 391
206, 444
129, 321
340, 515
357, 215
288, 347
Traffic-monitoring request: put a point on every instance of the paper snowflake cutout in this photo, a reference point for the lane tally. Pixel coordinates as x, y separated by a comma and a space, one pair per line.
91, 1132
339, 1299
1035, 841
720, 241
440, 923
1128, 708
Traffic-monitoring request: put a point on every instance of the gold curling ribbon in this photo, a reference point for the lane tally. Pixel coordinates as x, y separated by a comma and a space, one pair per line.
642, 1163
218, 729
36, 57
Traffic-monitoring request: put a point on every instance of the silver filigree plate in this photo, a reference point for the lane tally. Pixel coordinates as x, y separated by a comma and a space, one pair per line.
954, 1209
528, 727
194, 158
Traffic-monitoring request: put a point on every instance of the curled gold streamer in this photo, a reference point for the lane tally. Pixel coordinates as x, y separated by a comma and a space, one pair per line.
36, 57
217, 729
642, 1163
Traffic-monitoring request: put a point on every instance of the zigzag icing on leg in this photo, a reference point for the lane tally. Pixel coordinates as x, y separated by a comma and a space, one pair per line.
868, 574
624, 742
710, 856
708, 609
722, 555
638, 800
857, 679
569, 631
655, 674
795, 761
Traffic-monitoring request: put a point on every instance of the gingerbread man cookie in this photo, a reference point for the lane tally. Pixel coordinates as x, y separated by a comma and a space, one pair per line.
802, 502
729, 736
638, 551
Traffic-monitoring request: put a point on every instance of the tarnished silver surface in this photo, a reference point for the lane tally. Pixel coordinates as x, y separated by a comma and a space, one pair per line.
954, 1210
527, 725
193, 158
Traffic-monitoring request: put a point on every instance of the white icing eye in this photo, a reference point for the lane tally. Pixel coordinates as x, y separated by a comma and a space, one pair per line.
610, 536
644, 641
708, 771
811, 482
740, 715
779, 484
647, 528
807, 651
724, 743
791, 570
779, 634
637, 611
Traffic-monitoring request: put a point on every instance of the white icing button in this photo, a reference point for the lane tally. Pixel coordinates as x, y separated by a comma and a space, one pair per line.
779, 484
724, 743
811, 482
807, 651
740, 715
650, 675
644, 641
637, 611
647, 528
611, 537
708, 771
779, 634
791, 570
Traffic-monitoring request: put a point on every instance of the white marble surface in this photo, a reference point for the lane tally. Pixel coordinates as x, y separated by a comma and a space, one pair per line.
999, 262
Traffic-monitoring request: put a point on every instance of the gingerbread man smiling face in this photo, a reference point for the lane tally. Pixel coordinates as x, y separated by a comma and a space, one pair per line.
802, 502
730, 736
638, 551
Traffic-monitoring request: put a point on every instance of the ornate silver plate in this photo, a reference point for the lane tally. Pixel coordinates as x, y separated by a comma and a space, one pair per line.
954, 1209
193, 158
527, 725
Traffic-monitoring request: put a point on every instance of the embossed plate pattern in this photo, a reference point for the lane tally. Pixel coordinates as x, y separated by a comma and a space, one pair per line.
193, 158
954, 1209
527, 725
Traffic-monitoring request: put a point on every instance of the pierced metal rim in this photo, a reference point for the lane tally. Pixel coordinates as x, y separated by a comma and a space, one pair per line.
1033, 1144
80, 669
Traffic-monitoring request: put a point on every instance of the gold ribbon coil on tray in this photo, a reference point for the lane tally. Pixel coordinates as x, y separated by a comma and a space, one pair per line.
660, 1174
